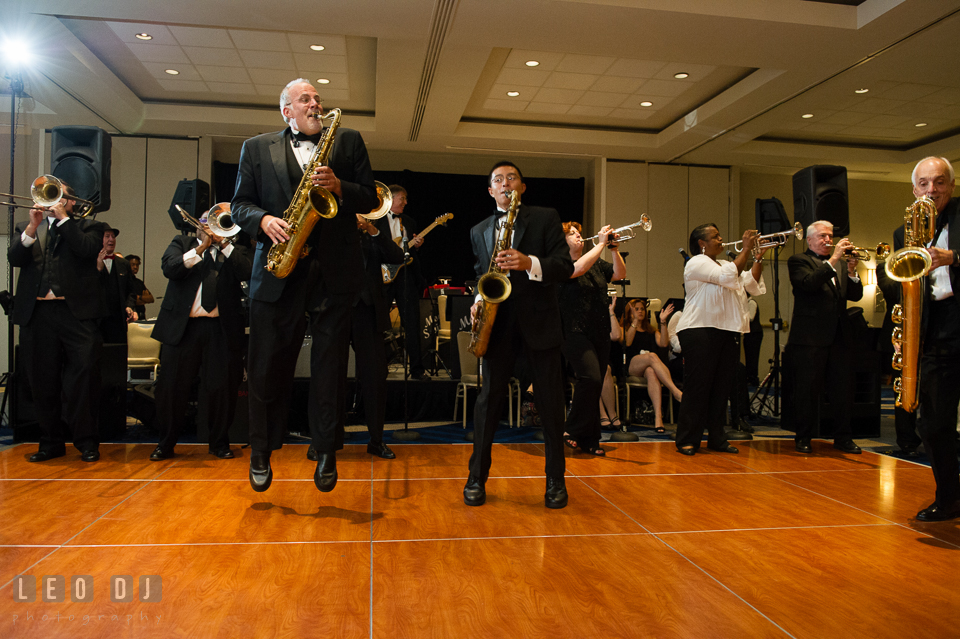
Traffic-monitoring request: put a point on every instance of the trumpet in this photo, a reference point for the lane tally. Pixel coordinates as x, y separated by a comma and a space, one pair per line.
46, 192
219, 221
625, 233
862, 254
770, 240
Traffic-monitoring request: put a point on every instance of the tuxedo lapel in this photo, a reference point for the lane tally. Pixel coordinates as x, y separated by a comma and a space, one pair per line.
278, 155
519, 226
488, 237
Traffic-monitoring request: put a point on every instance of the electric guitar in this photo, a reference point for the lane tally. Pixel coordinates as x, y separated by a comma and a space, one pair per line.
390, 271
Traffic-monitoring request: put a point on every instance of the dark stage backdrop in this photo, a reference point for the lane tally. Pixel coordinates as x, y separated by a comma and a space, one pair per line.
446, 251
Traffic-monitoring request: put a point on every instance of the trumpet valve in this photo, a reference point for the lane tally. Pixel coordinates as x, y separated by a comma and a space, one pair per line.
896, 314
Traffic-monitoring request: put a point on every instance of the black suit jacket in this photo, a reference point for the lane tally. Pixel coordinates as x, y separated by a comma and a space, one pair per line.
119, 288
819, 307
376, 251
182, 291
77, 245
264, 187
534, 306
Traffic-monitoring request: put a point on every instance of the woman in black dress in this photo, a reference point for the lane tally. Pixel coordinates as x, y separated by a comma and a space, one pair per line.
586, 329
642, 343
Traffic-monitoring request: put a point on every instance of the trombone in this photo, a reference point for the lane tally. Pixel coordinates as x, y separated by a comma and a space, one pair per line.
46, 192
770, 240
625, 233
219, 221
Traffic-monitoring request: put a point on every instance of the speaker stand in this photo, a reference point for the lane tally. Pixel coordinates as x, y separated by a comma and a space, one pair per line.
406, 435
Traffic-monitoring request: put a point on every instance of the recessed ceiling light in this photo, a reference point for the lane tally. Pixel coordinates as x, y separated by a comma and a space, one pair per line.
317, 47
532, 63
646, 104
806, 116
681, 75
323, 81
861, 90
171, 71
144, 36
513, 94
920, 124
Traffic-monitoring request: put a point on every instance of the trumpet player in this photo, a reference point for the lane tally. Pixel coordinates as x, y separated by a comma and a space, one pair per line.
824, 279
527, 322
940, 360
320, 291
201, 328
58, 306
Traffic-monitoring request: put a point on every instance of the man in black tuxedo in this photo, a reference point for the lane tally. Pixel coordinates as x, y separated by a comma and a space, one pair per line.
824, 279
409, 283
528, 322
321, 289
369, 322
201, 327
58, 307
940, 361
118, 285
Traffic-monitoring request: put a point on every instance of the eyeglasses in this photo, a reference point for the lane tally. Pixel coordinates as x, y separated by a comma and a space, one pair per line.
306, 98
511, 177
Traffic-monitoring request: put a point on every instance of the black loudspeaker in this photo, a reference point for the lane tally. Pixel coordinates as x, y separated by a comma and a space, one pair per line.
81, 157
193, 196
820, 193
770, 216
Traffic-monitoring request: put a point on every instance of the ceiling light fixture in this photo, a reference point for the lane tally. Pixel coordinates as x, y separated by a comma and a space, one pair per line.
171, 71
920, 124
144, 36
323, 81
861, 90
681, 75
806, 116
317, 47
646, 104
532, 63
513, 94
17, 53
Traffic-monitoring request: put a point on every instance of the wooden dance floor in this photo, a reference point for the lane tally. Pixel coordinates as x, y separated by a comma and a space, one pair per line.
767, 543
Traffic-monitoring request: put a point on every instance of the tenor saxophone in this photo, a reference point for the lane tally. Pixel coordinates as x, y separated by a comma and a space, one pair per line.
909, 266
493, 286
309, 204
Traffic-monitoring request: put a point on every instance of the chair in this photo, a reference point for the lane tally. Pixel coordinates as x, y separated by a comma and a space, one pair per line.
443, 334
654, 305
143, 352
470, 378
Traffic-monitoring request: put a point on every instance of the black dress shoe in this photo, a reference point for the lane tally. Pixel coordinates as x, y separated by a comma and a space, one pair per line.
556, 495
847, 446
222, 453
935, 513
325, 476
381, 450
803, 446
687, 451
261, 474
910, 452
90, 455
733, 450
160, 454
311, 453
474, 494
45, 455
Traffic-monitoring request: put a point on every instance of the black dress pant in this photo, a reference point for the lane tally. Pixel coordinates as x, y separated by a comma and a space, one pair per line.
813, 366
203, 350
709, 363
588, 358
61, 357
371, 361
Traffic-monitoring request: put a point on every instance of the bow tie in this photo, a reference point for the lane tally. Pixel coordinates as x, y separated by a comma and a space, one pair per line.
109, 257
300, 136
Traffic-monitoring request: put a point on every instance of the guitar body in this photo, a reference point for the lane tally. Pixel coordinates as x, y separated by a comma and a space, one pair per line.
390, 271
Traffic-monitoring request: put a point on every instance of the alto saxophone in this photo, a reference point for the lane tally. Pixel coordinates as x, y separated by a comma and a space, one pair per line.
309, 204
493, 286
909, 266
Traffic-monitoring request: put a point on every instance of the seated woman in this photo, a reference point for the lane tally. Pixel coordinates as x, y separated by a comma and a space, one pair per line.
608, 401
641, 340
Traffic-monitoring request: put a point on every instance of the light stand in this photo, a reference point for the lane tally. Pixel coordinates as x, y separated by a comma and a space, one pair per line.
16, 91
761, 396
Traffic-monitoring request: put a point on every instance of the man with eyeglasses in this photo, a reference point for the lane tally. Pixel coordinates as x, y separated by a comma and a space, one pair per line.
527, 322
321, 290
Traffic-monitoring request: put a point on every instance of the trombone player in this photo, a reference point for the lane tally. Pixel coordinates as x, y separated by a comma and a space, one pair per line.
58, 306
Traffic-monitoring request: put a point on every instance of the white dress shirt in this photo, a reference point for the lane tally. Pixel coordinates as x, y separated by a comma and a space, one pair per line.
717, 295
190, 259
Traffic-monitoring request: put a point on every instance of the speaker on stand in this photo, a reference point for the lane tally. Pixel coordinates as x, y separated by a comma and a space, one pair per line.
820, 193
81, 157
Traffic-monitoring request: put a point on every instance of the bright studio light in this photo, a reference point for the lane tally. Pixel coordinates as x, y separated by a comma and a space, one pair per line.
16, 53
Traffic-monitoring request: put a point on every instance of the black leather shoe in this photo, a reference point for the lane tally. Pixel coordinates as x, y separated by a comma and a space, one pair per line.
222, 453
733, 450
381, 450
803, 446
910, 452
556, 495
687, 451
474, 494
325, 476
423, 377
261, 474
847, 446
311, 453
90, 455
935, 513
160, 454
45, 455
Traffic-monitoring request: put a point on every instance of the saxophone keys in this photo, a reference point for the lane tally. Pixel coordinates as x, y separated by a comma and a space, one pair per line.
896, 315
897, 364
897, 336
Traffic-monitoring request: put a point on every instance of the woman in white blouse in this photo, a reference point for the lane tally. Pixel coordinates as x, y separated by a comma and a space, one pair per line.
714, 317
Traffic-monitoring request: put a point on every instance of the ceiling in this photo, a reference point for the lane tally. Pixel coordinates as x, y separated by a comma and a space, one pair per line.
711, 82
